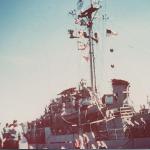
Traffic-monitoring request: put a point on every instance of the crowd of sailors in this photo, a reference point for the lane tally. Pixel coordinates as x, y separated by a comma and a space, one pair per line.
12, 135
83, 142
137, 128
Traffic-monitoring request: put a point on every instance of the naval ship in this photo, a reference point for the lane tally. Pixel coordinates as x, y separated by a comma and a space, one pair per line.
80, 110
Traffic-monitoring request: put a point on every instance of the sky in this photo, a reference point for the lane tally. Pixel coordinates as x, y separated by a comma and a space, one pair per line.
38, 60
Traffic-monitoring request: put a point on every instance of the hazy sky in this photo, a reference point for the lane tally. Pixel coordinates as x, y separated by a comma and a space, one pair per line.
38, 60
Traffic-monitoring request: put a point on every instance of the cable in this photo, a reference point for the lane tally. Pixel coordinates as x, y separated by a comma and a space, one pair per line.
68, 122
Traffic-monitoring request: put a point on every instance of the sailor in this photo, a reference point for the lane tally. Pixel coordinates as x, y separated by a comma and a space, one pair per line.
62, 147
98, 145
5, 134
101, 145
136, 129
109, 113
143, 122
143, 126
77, 144
7, 139
129, 129
63, 109
15, 135
82, 84
81, 142
86, 140
142, 109
93, 146
1, 138
6, 128
23, 143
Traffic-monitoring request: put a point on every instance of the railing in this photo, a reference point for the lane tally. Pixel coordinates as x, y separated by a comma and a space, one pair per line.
36, 136
112, 134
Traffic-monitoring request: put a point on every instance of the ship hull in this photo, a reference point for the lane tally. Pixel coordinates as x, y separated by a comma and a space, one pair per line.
118, 141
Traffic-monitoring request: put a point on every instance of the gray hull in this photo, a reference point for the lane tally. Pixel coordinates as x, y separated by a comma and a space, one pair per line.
117, 141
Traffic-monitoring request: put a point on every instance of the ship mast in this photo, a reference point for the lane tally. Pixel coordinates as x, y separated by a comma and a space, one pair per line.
91, 52
88, 14
87, 17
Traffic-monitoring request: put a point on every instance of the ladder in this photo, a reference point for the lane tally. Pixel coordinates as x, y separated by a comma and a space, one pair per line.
126, 112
